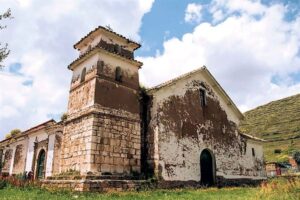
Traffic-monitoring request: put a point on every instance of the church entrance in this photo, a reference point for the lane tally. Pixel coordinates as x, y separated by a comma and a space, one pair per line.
207, 168
40, 167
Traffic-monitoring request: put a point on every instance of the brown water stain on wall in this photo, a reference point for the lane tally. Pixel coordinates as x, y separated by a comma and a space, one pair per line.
19, 159
111, 95
7, 159
185, 116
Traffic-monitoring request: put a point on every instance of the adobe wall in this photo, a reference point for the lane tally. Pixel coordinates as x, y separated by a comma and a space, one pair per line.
180, 129
7, 158
20, 157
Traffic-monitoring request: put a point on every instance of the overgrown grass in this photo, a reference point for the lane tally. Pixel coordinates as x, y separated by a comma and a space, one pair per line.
274, 189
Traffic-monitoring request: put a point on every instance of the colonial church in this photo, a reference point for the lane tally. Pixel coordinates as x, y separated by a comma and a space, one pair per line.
182, 131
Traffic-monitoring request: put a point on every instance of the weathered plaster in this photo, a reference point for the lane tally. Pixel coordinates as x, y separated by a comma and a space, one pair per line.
185, 129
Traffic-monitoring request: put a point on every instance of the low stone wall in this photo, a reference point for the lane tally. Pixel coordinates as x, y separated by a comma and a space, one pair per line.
107, 185
95, 185
223, 182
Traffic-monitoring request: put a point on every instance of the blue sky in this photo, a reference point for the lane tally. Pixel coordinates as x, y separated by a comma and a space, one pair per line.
252, 47
166, 20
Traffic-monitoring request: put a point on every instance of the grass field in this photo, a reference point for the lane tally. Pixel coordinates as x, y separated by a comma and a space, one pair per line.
275, 189
279, 121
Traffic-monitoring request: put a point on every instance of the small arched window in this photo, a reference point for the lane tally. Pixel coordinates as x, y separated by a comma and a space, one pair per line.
100, 65
253, 152
118, 74
82, 78
202, 98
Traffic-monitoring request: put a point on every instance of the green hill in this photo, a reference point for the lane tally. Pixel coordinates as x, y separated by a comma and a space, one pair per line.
278, 122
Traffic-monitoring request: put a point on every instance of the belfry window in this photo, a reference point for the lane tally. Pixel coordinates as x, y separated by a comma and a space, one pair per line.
202, 97
118, 74
82, 78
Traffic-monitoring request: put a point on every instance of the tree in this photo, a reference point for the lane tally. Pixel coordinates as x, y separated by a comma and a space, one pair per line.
4, 51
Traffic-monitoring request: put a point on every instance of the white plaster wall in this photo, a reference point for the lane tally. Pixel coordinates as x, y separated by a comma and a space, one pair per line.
179, 88
12, 160
185, 164
107, 58
254, 162
39, 136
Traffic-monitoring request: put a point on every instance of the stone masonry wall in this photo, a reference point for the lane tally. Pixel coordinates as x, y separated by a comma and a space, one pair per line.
76, 153
57, 154
102, 142
116, 145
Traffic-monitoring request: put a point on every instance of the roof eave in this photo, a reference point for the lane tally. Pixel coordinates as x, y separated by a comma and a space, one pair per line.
97, 49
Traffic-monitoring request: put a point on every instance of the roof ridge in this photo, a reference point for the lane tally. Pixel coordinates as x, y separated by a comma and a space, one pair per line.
176, 78
108, 30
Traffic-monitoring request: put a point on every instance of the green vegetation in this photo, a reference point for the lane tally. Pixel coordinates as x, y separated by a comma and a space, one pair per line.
64, 117
279, 122
4, 51
13, 133
274, 189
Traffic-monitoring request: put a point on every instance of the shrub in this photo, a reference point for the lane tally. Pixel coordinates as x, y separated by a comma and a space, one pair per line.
277, 151
3, 184
13, 133
296, 156
64, 117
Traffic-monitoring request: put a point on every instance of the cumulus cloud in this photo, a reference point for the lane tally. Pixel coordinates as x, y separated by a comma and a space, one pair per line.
245, 50
41, 38
193, 13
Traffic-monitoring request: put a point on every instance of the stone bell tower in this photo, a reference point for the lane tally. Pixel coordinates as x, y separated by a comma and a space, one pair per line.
102, 132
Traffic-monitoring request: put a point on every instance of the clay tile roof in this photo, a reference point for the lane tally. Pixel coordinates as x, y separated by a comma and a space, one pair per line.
110, 31
253, 137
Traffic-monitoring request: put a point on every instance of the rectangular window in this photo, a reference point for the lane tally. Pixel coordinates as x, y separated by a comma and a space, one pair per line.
202, 98
253, 152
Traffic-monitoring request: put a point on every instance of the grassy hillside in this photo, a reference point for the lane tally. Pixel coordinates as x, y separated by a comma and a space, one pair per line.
277, 122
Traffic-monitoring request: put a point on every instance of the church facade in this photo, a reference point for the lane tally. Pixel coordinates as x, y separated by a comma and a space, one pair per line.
184, 130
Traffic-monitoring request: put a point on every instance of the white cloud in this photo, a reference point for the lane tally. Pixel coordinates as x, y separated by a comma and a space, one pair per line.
244, 52
41, 38
193, 13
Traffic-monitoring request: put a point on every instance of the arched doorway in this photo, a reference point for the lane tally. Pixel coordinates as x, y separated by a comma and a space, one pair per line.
207, 165
40, 167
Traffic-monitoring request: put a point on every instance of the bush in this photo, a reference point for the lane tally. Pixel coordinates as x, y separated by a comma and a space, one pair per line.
64, 117
13, 133
296, 156
17, 181
3, 184
277, 151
